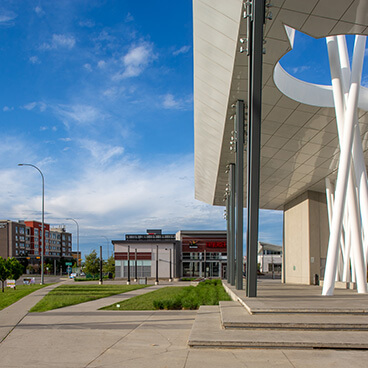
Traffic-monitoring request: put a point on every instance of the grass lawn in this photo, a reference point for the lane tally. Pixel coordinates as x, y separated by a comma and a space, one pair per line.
66, 295
10, 296
145, 301
185, 297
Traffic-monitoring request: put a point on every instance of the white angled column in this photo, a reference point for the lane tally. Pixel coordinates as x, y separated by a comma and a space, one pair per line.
346, 115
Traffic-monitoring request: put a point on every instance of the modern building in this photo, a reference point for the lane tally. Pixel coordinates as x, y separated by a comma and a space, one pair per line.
15, 239
269, 258
203, 253
23, 239
189, 253
59, 242
301, 140
145, 254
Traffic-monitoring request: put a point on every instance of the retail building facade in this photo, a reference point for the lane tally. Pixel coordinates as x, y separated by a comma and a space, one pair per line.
187, 253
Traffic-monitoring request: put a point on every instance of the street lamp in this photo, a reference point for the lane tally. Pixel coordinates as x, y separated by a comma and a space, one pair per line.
107, 243
43, 218
78, 264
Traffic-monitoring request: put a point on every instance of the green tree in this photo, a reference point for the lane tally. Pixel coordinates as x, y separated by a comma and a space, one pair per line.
15, 268
92, 263
4, 272
109, 266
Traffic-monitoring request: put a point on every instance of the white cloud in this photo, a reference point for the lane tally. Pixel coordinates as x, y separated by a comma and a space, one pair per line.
171, 103
39, 11
87, 67
136, 60
80, 114
88, 23
101, 152
6, 18
182, 50
59, 41
65, 139
34, 60
129, 18
30, 106
300, 69
7, 108
101, 64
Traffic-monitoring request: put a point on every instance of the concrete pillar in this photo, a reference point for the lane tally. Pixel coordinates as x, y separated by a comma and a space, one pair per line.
306, 236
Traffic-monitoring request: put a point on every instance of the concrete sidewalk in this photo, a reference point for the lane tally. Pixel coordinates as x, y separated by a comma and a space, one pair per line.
82, 336
13, 314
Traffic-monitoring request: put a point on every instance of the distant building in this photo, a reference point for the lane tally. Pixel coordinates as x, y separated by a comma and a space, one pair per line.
269, 257
60, 242
144, 250
204, 253
191, 253
23, 239
14, 239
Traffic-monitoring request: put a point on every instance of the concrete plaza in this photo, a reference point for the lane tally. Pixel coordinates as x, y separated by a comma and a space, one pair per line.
83, 336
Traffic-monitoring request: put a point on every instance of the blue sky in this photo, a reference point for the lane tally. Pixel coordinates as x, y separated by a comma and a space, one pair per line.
99, 95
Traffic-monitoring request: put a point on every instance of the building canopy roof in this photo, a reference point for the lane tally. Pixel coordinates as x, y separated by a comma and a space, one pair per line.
299, 141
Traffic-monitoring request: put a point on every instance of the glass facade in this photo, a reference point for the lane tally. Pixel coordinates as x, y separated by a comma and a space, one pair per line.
194, 265
143, 268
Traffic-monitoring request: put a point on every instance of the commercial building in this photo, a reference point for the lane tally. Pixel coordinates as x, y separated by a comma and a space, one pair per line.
186, 254
203, 253
269, 258
146, 254
291, 140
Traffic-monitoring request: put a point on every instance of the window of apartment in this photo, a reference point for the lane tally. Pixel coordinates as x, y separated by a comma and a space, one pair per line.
21, 245
21, 230
69, 238
16, 245
16, 252
36, 231
63, 237
16, 229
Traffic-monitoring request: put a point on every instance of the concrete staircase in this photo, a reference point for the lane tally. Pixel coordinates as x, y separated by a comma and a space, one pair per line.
235, 325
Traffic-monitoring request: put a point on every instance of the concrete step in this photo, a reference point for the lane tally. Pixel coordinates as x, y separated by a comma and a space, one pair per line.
207, 332
235, 316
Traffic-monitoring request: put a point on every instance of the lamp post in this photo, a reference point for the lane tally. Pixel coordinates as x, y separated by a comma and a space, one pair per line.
136, 267
107, 243
156, 282
128, 281
78, 263
170, 279
43, 218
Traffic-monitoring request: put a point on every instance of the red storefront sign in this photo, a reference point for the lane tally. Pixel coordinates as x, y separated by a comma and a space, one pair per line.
216, 244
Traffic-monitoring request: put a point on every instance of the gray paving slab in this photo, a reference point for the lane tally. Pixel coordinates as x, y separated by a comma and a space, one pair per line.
13, 314
234, 315
275, 297
207, 332
79, 338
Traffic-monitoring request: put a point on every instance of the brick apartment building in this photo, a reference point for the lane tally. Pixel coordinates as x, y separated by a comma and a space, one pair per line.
23, 239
